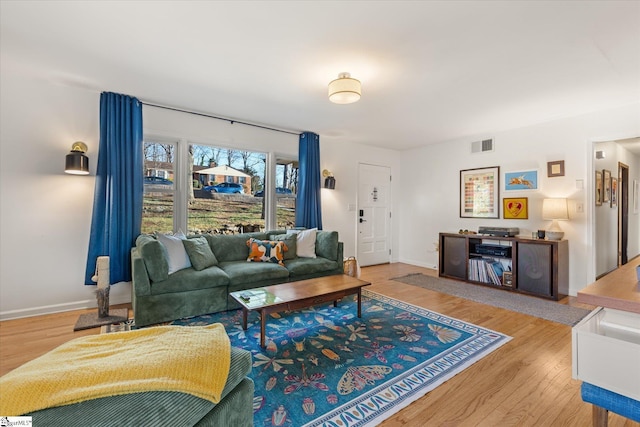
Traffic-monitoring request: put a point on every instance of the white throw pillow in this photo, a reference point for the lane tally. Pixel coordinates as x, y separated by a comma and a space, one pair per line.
305, 242
178, 257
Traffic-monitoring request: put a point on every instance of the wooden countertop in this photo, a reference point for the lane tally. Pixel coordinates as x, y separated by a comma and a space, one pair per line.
619, 289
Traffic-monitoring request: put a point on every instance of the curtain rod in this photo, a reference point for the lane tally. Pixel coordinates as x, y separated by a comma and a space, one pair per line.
219, 118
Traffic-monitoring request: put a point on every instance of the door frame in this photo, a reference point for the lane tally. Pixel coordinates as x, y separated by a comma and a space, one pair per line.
623, 213
390, 198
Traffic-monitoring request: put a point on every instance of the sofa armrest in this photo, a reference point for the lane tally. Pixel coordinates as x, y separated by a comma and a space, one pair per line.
140, 278
340, 258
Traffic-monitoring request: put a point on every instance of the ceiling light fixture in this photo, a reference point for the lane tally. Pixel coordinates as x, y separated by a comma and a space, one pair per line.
344, 89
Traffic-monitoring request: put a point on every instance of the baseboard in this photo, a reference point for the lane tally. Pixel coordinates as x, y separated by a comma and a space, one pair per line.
418, 263
114, 298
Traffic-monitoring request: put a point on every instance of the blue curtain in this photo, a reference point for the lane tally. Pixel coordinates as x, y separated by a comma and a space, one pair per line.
117, 203
308, 207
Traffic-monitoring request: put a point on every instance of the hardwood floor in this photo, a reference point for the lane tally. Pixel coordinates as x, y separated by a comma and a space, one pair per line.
526, 382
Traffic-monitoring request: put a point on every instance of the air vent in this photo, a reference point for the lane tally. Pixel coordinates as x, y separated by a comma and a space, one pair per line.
483, 146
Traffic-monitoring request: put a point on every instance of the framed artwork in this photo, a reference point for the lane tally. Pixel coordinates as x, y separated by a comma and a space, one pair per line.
515, 208
606, 186
614, 192
555, 168
598, 187
479, 193
521, 180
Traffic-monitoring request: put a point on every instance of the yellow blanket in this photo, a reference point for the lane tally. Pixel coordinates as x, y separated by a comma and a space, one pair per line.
192, 360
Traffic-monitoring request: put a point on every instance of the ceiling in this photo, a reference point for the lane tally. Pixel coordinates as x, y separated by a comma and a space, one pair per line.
431, 71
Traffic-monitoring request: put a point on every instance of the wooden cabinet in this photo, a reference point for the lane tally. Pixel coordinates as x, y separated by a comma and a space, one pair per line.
536, 267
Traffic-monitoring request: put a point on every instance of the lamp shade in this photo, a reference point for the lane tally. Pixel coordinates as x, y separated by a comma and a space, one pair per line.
555, 209
76, 163
344, 89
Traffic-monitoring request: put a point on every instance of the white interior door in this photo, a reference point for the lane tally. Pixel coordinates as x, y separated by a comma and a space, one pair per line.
374, 219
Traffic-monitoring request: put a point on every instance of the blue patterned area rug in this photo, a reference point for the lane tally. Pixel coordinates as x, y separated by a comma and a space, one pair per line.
324, 366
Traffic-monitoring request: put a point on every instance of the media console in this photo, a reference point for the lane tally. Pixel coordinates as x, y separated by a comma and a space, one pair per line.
533, 266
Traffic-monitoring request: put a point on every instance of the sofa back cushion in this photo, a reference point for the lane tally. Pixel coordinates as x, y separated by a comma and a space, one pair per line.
200, 253
327, 244
232, 247
154, 256
176, 254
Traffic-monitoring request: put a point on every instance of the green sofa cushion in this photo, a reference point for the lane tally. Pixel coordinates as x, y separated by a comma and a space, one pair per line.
327, 244
306, 266
247, 272
232, 247
289, 240
189, 279
200, 253
154, 256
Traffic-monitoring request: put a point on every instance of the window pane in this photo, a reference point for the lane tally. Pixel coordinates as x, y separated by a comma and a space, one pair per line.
159, 189
224, 181
286, 190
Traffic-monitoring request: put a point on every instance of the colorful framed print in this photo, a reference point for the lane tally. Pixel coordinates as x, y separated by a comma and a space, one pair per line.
614, 192
606, 186
521, 180
515, 208
555, 168
598, 187
480, 193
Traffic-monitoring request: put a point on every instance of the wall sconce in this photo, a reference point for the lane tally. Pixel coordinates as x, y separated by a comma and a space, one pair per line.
555, 209
76, 163
329, 180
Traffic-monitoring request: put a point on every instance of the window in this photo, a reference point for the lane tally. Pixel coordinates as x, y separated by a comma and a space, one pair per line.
286, 190
201, 188
159, 188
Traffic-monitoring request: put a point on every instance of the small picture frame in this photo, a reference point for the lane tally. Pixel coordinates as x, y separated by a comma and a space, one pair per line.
521, 180
555, 168
507, 279
515, 208
614, 192
606, 186
598, 187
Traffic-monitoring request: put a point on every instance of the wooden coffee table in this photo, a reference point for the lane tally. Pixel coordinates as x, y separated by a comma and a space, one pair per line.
297, 295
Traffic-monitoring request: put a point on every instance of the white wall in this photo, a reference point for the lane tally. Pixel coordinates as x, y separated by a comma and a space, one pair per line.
430, 183
343, 159
45, 214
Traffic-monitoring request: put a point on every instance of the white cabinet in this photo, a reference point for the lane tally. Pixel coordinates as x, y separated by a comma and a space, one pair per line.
606, 351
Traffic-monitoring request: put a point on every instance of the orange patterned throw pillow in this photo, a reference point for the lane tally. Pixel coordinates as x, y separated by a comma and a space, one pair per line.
266, 251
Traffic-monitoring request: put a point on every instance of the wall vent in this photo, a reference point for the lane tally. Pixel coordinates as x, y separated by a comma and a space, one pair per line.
483, 146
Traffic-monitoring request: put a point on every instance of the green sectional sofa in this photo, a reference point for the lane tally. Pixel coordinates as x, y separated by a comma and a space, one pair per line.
160, 296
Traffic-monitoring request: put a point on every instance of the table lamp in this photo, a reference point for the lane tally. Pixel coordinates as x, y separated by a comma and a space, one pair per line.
555, 210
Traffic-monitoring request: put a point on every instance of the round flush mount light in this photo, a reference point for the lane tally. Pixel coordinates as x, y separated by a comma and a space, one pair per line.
344, 89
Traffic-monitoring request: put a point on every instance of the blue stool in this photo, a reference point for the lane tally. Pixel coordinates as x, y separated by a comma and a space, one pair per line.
604, 401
